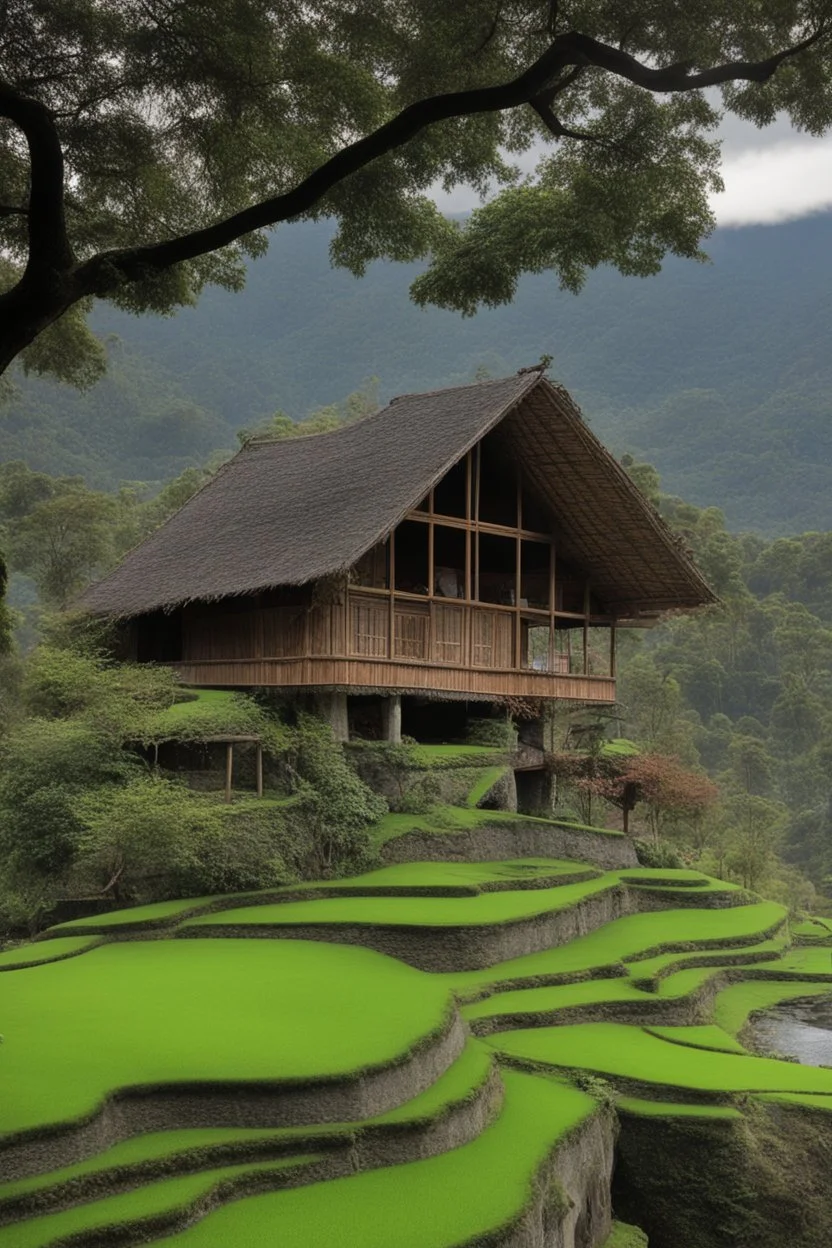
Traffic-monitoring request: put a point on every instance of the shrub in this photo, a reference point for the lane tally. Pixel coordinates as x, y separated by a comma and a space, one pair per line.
137, 840
660, 854
339, 806
44, 766
501, 733
251, 846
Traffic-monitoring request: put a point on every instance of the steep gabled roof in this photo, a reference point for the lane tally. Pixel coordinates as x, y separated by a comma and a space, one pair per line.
291, 511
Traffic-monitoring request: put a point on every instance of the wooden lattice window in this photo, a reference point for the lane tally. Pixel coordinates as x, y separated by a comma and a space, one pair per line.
369, 629
411, 635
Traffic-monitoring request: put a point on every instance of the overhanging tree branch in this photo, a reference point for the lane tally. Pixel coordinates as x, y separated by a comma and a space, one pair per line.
568, 51
52, 282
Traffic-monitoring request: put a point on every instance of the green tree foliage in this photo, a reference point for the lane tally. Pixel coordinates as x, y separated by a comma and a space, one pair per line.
62, 542
150, 144
745, 689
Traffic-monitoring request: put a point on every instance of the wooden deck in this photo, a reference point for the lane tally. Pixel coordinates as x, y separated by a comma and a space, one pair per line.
364, 674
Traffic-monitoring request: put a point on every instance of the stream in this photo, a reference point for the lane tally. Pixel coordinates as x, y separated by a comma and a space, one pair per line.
801, 1029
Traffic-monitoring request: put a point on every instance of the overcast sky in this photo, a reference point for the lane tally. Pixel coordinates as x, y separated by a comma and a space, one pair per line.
770, 175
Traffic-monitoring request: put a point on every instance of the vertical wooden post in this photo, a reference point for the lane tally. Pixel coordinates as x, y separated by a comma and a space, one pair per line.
431, 560
259, 769
229, 769
612, 649
431, 584
468, 589
391, 622
552, 649
518, 638
518, 576
586, 627
476, 523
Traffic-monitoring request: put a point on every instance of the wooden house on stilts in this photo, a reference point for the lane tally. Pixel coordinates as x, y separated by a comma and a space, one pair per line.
469, 544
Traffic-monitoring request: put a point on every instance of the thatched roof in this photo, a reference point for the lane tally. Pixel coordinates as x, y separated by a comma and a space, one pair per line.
291, 511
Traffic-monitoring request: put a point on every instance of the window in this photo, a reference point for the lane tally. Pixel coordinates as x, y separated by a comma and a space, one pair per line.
448, 562
449, 494
498, 485
411, 557
497, 569
534, 578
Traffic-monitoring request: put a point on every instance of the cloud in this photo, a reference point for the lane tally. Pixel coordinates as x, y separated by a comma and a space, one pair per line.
770, 175
775, 182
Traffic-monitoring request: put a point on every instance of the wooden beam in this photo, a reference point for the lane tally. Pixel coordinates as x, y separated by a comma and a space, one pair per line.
391, 620
518, 569
229, 770
259, 765
612, 649
552, 648
431, 584
475, 520
587, 601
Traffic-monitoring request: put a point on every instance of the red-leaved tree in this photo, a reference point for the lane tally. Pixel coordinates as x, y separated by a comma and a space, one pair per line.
667, 789
660, 783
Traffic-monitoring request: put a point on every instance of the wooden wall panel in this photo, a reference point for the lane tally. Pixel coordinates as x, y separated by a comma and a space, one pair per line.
448, 625
411, 633
370, 619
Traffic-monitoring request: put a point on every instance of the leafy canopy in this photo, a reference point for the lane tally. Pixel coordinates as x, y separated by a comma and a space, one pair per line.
151, 142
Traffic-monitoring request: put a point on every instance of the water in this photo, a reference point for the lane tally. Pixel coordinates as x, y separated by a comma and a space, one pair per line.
801, 1029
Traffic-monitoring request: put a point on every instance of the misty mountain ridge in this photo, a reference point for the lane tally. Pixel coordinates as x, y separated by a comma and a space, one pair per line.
720, 374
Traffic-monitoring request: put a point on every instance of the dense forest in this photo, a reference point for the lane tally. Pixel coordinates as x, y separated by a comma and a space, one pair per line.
719, 373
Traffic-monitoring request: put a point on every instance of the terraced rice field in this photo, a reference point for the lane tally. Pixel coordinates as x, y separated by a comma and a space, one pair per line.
388, 1061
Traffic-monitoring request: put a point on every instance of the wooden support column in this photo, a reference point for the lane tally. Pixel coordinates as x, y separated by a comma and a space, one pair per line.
518, 630
468, 588
476, 523
612, 648
259, 765
391, 621
431, 585
552, 646
518, 579
587, 600
229, 769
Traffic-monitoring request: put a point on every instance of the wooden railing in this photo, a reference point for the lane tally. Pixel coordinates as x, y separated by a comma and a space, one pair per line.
468, 635
399, 642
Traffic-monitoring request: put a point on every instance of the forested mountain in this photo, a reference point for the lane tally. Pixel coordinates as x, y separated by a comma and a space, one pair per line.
720, 374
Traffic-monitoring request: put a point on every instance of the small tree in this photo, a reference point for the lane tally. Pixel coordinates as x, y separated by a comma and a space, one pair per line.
668, 790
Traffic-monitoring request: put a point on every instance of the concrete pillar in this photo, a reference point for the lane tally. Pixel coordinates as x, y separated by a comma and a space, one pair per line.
391, 719
333, 708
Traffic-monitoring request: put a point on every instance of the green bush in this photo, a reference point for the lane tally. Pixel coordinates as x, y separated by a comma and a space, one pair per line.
339, 806
44, 766
501, 733
251, 846
141, 840
658, 854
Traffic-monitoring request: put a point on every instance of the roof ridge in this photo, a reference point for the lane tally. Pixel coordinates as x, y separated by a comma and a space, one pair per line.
533, 375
